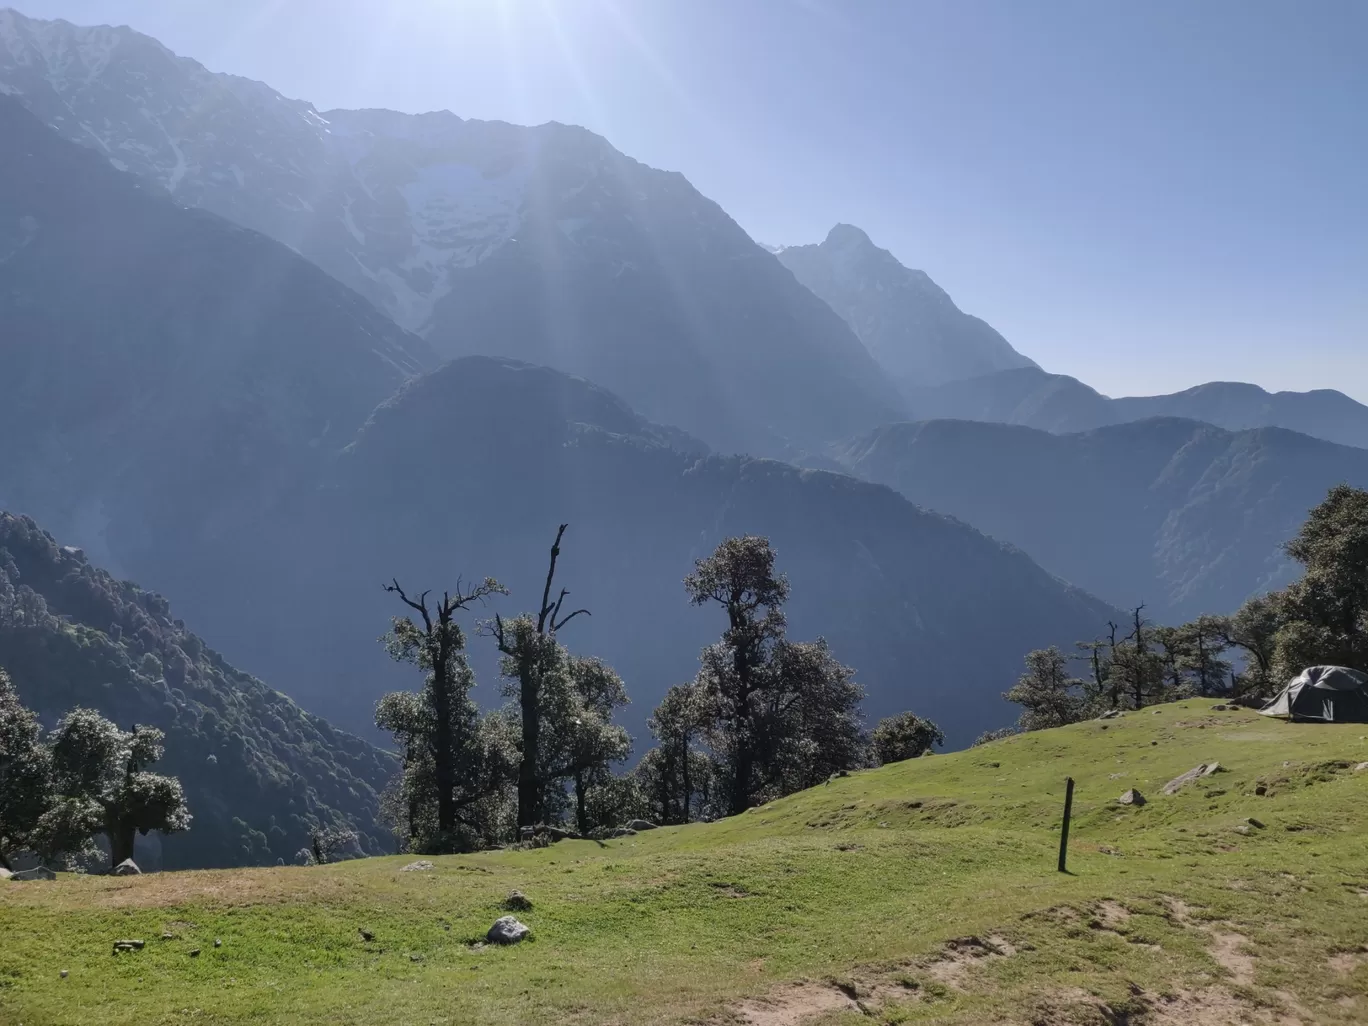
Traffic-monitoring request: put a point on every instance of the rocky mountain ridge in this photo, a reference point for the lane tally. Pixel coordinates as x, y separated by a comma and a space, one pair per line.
544, 243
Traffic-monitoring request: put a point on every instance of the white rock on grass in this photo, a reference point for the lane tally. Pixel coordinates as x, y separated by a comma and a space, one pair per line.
507, 930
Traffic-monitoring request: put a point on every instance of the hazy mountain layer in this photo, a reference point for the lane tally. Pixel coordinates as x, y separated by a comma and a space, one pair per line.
258, 771
541, 243
1185, 517
468, 470
164, 372
1055, 402
913, 329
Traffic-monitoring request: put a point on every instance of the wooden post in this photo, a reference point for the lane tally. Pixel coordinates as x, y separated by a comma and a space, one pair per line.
1064, 828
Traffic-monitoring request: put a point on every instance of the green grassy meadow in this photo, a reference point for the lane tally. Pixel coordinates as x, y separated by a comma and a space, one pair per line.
834, 905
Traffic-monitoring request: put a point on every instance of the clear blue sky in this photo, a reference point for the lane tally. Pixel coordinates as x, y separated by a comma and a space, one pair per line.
1145, 195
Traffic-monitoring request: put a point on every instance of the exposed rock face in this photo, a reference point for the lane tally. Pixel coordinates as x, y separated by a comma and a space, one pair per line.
126, 868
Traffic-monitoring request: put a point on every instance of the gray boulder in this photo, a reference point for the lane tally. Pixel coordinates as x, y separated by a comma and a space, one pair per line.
36, 873
640, 824
1132, 797
506, 930
421, 866
5, 874
127, 868
1197, 773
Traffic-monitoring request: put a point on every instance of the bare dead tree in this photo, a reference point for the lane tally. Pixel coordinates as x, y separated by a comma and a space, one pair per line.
435, 647
530, 648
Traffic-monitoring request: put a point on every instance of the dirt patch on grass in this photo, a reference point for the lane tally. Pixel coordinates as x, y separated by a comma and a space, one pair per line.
794, 1005
1229, 954
962, 954
1212, 1006
1347, 961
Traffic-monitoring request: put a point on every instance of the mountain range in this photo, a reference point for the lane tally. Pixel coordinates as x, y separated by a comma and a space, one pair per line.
1184, 517
1031, 397
931, 613
543, 243
911, 327
262, 358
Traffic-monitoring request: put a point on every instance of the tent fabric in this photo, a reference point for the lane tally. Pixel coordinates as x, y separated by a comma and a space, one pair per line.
1327, 694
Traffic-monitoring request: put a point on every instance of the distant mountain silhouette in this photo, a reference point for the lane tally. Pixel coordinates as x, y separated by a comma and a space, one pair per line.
1185, 517
1032, 397
913, 329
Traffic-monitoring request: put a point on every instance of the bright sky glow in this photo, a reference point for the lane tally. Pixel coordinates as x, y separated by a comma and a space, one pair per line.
1146, 196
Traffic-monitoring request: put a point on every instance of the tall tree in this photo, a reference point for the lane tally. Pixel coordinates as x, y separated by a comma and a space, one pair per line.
445, 721
1048, 696
579, 740
94, 761
777, 713
531, 657
1139, 668
905, 736
676, 724
1204, 650
25, 774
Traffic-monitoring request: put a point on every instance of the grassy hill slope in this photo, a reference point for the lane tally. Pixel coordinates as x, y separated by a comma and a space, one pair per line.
923, 892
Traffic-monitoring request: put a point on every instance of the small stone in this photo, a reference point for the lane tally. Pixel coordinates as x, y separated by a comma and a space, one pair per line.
1154, 742
1132, 797
65, 974
506, 930
1110, 714
366, 935
194, 952
415, 957
422, 865
1261, 790
218, 943
168, 936
128, 945
1218, 708
1361, 767
1256, 824
646, 824
517, 901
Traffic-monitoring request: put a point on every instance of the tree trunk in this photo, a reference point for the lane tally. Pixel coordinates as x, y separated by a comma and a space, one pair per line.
688, 786
581, 813
120, 842
740, 796
529, 701
443, 755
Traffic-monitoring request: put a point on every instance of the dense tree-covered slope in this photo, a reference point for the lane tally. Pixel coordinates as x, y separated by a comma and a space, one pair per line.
913, 329
1185, 517
543, 243
468, 470
1031, 397
258, 771
163, 372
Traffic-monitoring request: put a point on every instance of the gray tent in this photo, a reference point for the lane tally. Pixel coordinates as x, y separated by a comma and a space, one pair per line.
1325, 694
